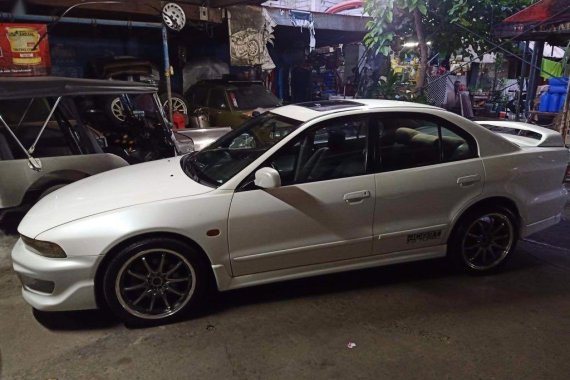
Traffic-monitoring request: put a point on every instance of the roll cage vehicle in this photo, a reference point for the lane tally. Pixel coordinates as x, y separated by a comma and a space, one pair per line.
45, 143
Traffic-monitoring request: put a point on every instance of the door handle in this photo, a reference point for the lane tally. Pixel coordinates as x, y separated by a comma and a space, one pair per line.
468, 180
356, 197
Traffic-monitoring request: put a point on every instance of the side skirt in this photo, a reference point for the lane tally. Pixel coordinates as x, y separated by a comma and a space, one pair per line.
226, 282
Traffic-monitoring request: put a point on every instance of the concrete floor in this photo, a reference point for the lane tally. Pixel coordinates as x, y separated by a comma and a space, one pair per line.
413, 321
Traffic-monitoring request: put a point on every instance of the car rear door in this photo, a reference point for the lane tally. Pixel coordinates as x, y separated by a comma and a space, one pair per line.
322, 212
427, 170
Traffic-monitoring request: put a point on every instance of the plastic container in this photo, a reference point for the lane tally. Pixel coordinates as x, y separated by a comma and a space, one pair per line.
558, 81
179, 120
553, 102
561, 103
544, 102
557, 89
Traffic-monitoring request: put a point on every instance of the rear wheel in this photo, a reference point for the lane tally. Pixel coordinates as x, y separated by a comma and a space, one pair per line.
484, 239
154, 281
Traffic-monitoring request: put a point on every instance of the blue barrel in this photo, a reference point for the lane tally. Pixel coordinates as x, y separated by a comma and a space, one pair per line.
559, 81
557, 89
554, 102
544, 102
561, 103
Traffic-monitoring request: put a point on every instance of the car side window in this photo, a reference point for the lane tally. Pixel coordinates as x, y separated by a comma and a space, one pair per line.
413, 141
336, 148
217, 99
199, 96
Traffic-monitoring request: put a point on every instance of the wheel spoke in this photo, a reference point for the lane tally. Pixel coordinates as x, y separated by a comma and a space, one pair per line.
484, 255
151, 306
165, 300
173, 269
474, 236
143, 295
472, 246
135, 287
491, 252
476, 255
499, 228
147, 266
175, 280
172, 290
503, 247
136, 275
161, 265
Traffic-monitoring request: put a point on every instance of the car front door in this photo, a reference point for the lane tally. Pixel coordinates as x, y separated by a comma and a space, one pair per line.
427, 170
219, 109
322, 212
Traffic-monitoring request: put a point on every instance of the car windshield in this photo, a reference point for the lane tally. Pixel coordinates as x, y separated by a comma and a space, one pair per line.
252, 97
226, 157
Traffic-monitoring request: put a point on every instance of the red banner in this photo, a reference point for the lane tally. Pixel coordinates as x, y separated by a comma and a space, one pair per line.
20, 53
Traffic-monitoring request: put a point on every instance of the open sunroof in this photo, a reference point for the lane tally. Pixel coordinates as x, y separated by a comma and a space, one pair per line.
330, 105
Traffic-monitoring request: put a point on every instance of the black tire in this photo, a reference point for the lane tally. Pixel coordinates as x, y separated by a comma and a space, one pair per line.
484, 239
51, 189
169, 295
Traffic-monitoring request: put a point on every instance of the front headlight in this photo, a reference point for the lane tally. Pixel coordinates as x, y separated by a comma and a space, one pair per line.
44, 248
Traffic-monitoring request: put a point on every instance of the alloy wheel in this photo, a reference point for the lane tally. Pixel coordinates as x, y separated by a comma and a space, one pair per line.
155, 284
487, 241
178, 105
118, 110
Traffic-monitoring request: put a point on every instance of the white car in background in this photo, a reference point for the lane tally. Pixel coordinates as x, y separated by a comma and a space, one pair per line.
300, 191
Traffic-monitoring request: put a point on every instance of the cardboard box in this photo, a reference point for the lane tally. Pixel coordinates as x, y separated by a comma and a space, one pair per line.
19, 55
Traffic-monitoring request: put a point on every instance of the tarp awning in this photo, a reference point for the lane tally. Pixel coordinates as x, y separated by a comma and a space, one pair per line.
547, 20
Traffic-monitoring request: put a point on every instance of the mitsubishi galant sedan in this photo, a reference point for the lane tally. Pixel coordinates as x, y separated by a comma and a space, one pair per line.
303, 190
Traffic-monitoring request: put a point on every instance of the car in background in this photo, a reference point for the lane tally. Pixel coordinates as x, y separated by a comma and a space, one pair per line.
126, 68
302, 190
230, 103
46, 142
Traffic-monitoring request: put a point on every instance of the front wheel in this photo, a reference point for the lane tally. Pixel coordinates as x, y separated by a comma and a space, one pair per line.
484, 239
154, 281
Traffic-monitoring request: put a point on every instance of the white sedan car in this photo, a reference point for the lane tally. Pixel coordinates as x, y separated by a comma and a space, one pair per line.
303, 190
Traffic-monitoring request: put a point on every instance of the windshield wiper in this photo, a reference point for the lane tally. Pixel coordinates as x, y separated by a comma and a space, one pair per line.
194, 172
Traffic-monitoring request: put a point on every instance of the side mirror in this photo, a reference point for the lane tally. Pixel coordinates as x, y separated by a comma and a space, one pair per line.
267, 178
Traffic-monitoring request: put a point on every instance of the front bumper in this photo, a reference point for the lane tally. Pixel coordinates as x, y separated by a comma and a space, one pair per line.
72, 279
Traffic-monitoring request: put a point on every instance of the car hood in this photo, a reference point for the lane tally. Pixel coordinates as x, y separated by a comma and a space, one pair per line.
123, 187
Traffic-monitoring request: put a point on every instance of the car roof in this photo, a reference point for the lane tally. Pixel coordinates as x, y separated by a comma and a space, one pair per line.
310, 110
39, 87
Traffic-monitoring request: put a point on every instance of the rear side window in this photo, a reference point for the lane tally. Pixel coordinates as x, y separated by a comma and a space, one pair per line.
218, 99
409, 141
198, 96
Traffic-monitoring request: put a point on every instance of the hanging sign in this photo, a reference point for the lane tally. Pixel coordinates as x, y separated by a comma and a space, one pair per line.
250, 29
20, 53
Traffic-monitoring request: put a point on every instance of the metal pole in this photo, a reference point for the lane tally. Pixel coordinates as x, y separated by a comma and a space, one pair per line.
521, 83
531, 90
565, 118
167, 71
75, 20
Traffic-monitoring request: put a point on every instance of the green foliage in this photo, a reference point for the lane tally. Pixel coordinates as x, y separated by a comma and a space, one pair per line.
391, 18
388, 85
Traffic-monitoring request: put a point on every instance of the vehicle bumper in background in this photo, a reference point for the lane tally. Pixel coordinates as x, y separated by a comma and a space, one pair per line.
55, 284
530, 229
